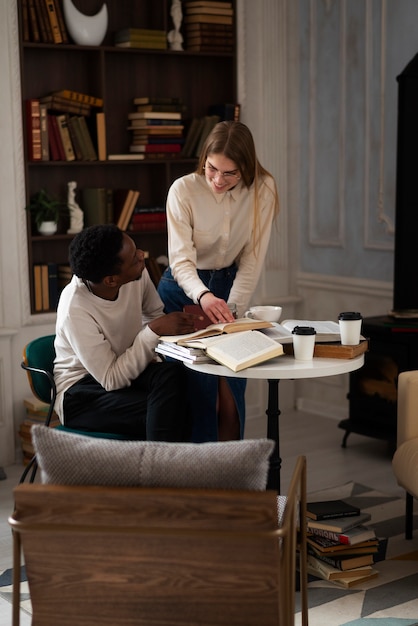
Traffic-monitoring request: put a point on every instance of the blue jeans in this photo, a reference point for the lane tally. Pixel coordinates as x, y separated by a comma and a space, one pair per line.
203, 388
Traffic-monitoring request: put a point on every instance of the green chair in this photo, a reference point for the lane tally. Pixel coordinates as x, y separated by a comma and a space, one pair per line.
38, 361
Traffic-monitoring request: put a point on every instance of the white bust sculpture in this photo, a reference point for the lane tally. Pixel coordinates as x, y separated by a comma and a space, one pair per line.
76, 214
175, 38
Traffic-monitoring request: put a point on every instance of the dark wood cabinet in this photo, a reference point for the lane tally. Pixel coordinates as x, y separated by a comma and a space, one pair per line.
393, 348
118, 75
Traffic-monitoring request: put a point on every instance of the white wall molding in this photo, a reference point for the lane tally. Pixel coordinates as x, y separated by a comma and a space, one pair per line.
338, 284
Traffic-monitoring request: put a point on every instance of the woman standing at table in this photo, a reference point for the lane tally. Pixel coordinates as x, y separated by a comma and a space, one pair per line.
219, 222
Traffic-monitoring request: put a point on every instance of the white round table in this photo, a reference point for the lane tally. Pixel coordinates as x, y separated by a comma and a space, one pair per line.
285, 367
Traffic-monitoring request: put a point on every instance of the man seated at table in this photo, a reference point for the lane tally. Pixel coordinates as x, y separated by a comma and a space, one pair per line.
109, 320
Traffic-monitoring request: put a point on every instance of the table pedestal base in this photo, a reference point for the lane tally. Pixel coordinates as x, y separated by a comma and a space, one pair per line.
273, 413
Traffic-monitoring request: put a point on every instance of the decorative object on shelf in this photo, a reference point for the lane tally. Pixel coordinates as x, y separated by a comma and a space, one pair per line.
86, 30
46, 210
76, 214
174, 37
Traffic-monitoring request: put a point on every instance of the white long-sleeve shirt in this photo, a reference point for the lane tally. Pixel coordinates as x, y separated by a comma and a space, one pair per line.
108, 339
211, 231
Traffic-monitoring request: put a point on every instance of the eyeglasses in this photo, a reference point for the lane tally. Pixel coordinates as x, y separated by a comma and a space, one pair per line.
214, 172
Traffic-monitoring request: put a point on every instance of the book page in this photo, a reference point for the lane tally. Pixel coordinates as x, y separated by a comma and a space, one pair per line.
240, 350
217, 329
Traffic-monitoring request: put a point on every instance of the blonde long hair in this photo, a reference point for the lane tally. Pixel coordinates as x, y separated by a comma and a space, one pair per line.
235, 141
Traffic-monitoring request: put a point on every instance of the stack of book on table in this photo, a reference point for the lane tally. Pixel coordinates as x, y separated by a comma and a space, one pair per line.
209, 26
156, 126
341, 547
237, 345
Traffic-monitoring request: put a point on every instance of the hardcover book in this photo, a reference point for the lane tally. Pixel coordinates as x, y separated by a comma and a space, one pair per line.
330, 509
339, 524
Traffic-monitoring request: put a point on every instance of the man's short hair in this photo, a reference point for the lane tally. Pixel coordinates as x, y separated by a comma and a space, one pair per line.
94, 252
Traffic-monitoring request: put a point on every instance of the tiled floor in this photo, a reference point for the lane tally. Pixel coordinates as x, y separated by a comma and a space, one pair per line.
365, 460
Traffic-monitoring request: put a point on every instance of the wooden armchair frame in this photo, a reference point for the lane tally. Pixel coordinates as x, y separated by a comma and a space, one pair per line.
110, 555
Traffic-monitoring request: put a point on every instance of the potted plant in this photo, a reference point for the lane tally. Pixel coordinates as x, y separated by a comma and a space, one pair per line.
46, 211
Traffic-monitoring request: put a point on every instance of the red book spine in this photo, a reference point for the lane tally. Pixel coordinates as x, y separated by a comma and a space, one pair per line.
143, 218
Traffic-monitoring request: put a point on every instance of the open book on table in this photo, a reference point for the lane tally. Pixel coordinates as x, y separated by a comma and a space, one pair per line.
212, 330
236, 349
326, 331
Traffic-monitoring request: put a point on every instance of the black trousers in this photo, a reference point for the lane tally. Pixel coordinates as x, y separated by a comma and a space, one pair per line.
153, 408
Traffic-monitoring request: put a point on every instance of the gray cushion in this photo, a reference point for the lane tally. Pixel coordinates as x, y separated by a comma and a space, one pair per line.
72, 459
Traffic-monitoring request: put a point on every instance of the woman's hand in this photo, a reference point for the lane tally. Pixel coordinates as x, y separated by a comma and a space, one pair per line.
215, 308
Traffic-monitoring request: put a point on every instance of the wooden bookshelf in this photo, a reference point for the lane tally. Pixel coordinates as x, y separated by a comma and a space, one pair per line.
117, 75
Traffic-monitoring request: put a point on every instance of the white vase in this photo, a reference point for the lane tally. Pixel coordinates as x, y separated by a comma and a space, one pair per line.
47, 228
86, 30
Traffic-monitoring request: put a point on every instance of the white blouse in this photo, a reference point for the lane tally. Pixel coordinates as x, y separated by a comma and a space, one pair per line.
212, 231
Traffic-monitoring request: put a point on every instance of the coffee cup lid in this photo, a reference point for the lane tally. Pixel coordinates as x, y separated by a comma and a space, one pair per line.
304, 330
350, 315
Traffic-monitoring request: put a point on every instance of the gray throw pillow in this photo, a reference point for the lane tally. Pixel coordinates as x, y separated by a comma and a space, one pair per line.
71, 459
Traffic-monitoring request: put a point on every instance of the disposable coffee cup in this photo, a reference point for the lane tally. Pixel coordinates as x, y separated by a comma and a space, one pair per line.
350, 327
303, 342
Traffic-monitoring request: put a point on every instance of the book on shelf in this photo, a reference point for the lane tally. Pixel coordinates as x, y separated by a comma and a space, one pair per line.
192, 137
101, 135
95, 204
54, 141
126, 157
152, 115
25, 21
89, 151
343, 562
64, 105
61, 21
65, 137
37, 286
160, 44
213, 47
209, 122
161, 108
208, 3
43, 117
77, 96
33, 22
155, 147
226, 111
158, 100
53, 20
76, 139
193, 10
124, 205
208, 19
53, 291
33, 129
44, 24
339, 524
141, 38
330, 508
157, 125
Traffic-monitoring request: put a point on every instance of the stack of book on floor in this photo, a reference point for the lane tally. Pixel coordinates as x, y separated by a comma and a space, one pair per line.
341, 547
156, 126
36, 412
209, 26
141, 38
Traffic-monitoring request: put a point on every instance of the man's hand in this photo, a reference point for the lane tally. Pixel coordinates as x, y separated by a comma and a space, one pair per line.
176, 323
